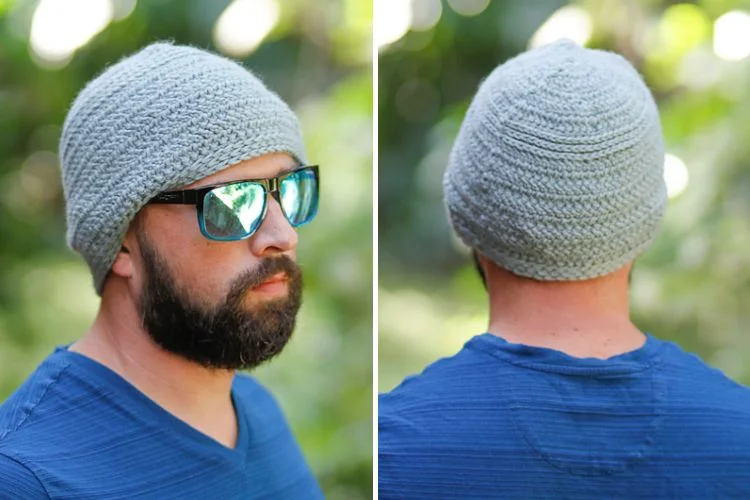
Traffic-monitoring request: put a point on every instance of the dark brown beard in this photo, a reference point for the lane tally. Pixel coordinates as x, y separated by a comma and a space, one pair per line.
229, 336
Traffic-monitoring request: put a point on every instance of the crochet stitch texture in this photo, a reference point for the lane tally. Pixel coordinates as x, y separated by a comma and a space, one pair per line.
557, 171
157, 120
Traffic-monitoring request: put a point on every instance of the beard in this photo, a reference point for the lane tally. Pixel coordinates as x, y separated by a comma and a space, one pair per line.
231, 335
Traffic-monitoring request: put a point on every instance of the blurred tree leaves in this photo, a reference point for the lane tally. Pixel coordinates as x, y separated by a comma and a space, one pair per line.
692, 287
318, 58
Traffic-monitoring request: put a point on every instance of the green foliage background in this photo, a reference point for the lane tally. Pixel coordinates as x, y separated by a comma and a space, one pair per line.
318, 58
692, 287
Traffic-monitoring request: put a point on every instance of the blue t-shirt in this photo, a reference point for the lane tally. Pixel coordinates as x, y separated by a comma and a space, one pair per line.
76, 429
503, 420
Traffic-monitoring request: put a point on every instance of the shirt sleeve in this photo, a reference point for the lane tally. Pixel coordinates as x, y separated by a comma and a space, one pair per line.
17, 481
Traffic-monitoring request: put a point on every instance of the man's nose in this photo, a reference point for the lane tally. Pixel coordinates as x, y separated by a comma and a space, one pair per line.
275, 235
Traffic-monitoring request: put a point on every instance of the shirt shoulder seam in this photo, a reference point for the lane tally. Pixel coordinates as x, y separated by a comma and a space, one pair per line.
35, 404
22, 464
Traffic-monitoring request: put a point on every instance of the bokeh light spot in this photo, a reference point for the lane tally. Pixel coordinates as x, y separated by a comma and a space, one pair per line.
417, 100
425, 14
675, 175
59, 28
732, 35
571, 22
392, 21
469, 7
243, 26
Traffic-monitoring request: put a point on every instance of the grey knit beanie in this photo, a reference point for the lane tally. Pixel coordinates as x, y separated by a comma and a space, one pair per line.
557, 172
157, 120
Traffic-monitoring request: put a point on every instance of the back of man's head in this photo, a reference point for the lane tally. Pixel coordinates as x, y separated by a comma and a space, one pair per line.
557, 172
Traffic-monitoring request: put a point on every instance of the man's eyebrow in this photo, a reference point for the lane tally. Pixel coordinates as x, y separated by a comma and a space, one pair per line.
280, 171
285, 170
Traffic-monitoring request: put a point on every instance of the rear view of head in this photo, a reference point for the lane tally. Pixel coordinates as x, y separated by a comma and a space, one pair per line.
557, 172
171, 118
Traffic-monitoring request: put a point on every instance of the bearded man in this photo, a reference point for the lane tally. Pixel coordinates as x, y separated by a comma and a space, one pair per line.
184, 179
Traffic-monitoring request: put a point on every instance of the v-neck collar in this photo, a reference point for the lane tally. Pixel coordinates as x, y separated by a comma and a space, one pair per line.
108, 378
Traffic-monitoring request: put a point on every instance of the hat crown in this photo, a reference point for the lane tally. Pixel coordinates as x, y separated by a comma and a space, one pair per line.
557, 172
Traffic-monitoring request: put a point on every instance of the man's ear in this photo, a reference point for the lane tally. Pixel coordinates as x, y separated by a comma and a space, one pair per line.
478, 266
123, 265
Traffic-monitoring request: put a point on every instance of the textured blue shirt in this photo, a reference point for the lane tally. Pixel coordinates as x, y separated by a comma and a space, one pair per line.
503, 420
76, 429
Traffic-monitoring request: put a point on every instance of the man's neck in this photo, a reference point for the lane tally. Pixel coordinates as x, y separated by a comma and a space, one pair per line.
583, 319
199, 396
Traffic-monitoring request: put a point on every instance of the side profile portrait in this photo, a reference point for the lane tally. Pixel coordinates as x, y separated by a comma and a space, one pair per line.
185, 180
556, 185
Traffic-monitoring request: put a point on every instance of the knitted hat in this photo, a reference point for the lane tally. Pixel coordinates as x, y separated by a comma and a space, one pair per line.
157, 120
557, 172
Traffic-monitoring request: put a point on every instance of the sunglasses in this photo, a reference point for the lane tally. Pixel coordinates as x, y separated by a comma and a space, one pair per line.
235, 210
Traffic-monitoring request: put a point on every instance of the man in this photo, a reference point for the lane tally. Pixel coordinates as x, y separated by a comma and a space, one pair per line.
556, 182
184, 179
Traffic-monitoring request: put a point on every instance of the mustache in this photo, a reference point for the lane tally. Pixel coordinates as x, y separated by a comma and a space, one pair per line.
268, 267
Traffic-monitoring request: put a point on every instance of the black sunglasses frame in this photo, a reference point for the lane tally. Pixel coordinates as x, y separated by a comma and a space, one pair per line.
270, 186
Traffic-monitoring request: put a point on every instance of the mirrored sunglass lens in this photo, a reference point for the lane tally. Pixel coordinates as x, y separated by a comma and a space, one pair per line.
233, 211
299, 196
